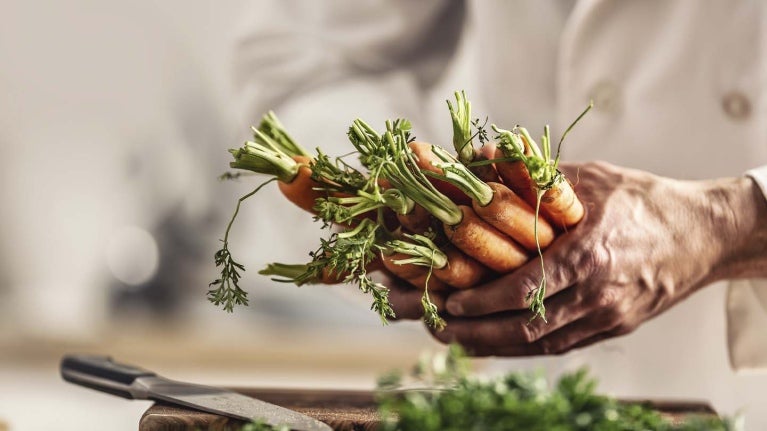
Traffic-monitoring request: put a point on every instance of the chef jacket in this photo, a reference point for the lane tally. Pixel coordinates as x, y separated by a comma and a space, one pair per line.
678, 90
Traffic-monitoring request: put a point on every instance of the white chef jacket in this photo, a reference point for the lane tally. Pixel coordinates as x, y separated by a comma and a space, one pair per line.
679, 90
672, 97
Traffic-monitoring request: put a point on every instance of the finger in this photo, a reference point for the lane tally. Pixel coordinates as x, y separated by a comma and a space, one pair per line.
406, 301
516, 327
577, 334
427, 280
566, 261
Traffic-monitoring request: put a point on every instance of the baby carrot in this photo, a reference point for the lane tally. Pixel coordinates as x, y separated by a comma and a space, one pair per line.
496, 204
390, 154
447, 263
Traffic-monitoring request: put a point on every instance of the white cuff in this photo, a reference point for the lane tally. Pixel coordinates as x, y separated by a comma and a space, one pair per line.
747, 311
760, 177
746, 323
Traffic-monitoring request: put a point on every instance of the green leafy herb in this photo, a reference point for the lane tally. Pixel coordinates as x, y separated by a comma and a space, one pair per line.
423, 252
346, 254
518, 401
226, 290
337, 175
481, 132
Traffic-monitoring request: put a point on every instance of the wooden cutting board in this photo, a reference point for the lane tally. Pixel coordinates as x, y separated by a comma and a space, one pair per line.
342, 410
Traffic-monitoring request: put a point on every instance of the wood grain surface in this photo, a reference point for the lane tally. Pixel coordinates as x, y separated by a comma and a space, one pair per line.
342, 410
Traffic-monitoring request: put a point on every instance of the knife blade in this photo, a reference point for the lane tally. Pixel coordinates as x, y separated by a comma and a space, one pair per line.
127, 381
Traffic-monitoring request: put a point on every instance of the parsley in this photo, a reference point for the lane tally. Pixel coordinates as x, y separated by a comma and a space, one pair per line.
517, 401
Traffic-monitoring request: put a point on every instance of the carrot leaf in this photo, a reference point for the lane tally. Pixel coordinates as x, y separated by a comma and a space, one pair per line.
348, 253
336, 175
481, 132
226, 290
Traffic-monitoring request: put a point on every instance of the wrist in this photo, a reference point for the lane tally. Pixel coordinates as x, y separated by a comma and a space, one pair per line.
739, 219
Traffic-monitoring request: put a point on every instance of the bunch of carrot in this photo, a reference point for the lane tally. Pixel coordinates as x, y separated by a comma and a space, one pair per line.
435, 220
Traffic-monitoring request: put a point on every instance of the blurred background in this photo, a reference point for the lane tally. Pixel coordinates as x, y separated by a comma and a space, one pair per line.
115, 118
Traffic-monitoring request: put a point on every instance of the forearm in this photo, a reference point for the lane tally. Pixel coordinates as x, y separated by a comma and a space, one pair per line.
739, 219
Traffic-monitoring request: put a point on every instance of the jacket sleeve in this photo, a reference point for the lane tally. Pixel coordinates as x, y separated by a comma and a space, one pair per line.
747, 311
289, 48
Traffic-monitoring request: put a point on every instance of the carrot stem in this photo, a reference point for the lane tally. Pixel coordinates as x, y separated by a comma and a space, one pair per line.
536, 304
460, 176
422, 250
462, 135
424, 253
287, 272
272, 128
265, 160
570, 127
227, 291
430, 312
237, 208
390, 154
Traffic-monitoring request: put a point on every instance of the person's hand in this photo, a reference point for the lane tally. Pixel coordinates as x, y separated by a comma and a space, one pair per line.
405, 299
645, 244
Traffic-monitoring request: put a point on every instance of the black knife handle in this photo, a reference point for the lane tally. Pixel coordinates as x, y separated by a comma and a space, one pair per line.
103, 374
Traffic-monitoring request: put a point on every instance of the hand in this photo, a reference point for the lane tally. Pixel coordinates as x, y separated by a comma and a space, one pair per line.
645, 244
406, 300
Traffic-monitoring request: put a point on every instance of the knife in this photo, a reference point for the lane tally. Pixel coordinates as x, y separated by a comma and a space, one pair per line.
103, 374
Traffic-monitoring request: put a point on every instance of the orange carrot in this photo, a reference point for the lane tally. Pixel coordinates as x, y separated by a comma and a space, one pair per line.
515, 176
461, 225
559, 205
511, 215
414, 274
416, 221
461, 271
552, 190
496, 204
301, 189
485, 243
486, 173
558, 202
562, 205
447, 262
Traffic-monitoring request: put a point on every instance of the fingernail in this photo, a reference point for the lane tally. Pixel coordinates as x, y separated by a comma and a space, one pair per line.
454, 307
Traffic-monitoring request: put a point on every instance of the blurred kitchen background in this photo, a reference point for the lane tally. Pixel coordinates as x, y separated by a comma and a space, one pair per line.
115, 118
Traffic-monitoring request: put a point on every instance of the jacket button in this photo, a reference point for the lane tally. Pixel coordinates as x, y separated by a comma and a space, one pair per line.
736, 105
606, 96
